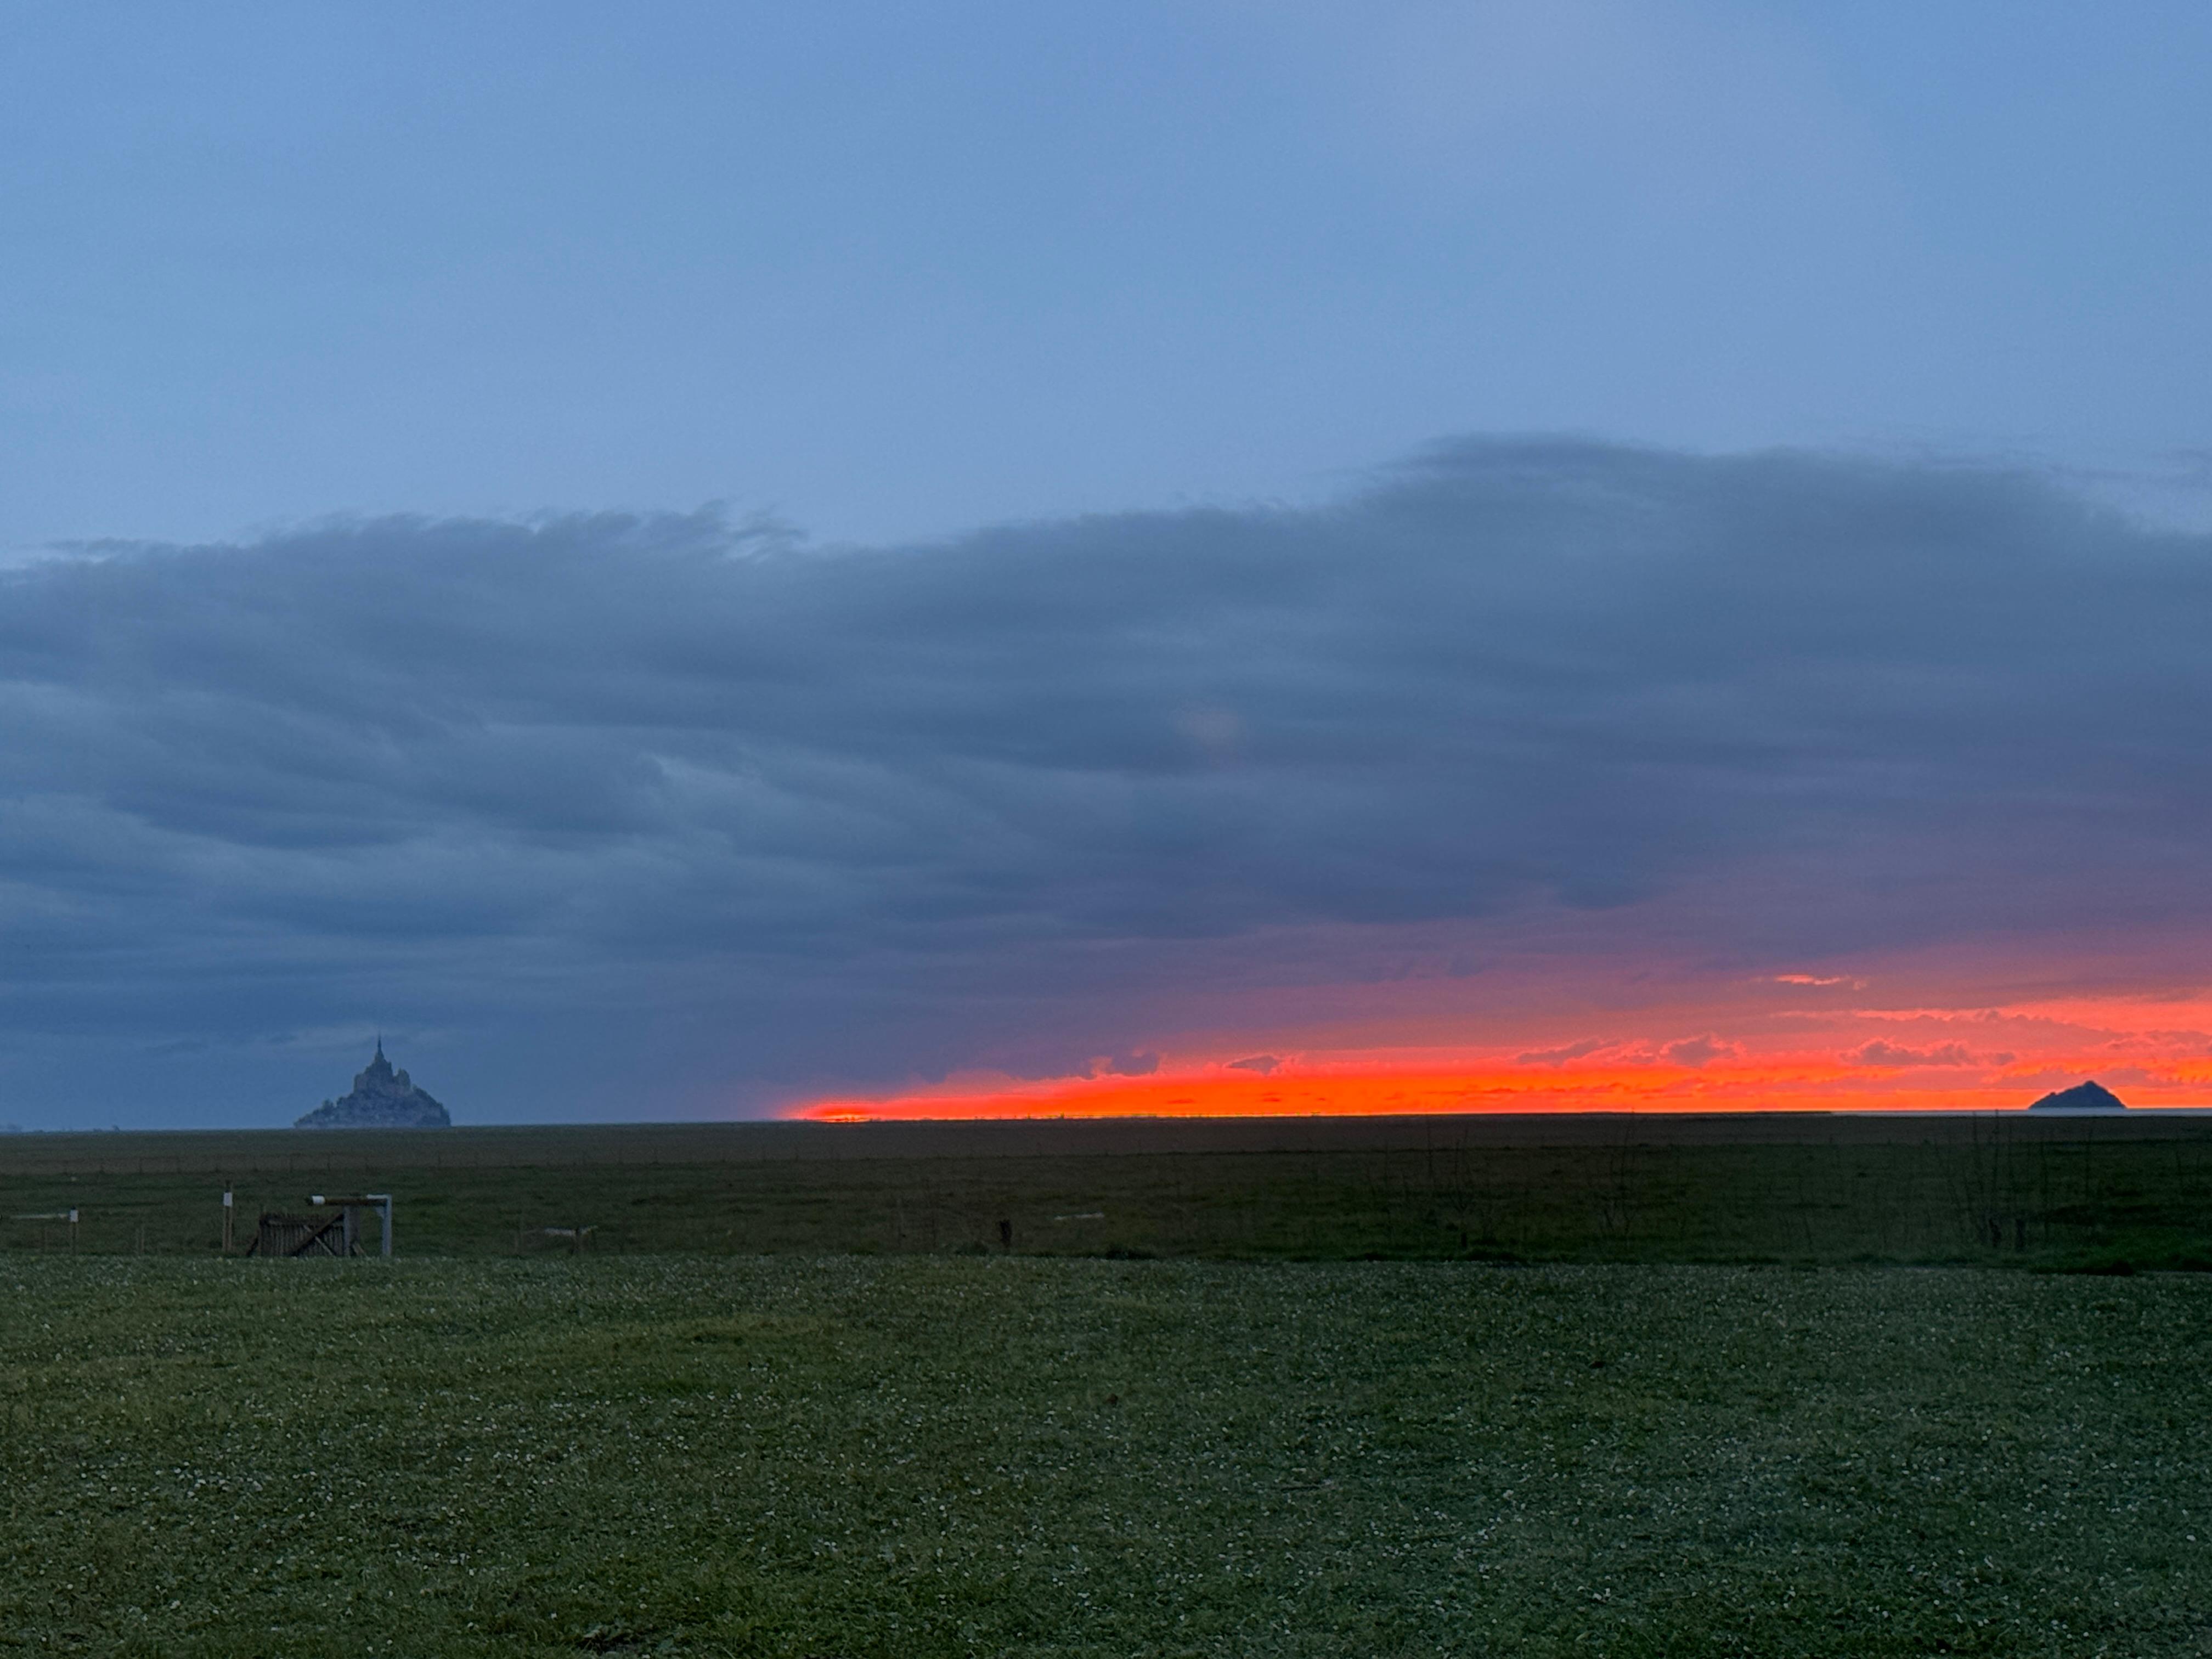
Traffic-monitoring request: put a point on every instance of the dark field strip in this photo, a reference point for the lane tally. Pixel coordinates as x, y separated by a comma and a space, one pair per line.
2054, 1193
795, 1455
285, 1151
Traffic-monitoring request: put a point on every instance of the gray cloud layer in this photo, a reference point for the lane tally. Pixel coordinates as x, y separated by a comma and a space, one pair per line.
667, 795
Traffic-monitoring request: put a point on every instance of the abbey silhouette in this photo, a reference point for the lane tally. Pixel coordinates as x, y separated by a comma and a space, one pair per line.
381, 1099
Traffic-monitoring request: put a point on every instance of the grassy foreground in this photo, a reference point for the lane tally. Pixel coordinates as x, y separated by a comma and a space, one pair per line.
914, 1456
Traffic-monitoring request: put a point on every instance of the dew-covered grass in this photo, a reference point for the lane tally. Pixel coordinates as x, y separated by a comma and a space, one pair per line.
915, 1457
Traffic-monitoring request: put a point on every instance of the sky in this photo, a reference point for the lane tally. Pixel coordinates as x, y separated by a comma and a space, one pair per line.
713, 560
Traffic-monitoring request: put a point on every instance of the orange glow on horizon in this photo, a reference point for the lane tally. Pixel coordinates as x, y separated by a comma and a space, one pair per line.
1798, 1041
1214, 1093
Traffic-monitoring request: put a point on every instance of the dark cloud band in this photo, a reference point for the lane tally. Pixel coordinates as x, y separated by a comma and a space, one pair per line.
847, 813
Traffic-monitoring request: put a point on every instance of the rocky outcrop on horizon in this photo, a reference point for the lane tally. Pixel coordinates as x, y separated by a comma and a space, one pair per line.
2081, 1097
381, 1098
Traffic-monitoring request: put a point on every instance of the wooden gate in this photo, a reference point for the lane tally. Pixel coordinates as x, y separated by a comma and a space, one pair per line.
302, 1235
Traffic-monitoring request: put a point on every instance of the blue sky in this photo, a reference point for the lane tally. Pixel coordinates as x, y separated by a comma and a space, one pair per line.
891, 271
680, 560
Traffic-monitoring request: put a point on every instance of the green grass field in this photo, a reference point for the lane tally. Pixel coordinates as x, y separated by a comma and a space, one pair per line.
1690, 1386
844, 1456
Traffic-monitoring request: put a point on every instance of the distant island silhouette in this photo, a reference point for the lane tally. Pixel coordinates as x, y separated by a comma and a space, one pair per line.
381, 1099
2081, 1097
